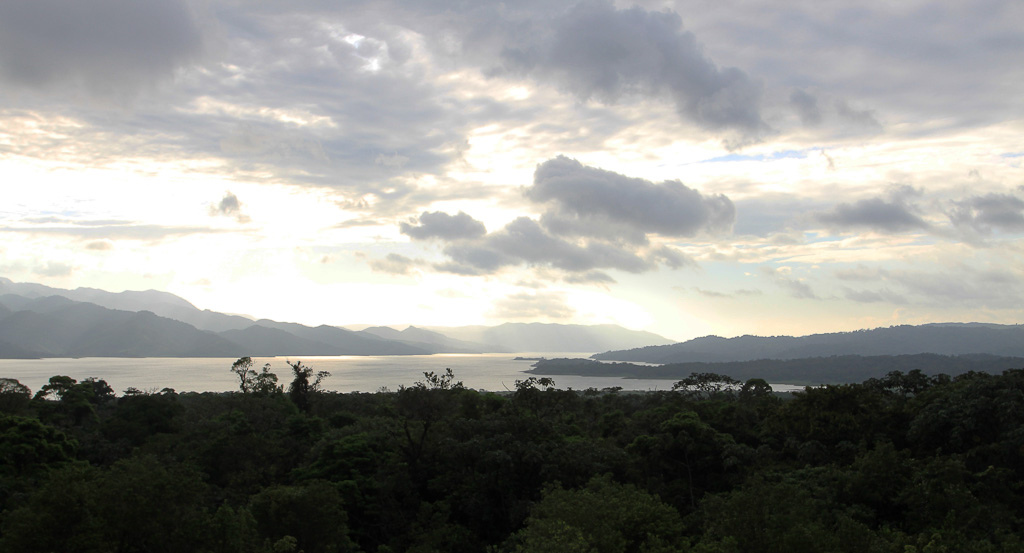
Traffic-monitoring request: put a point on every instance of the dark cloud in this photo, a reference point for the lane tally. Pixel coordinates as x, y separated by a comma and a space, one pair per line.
595, 220
875, 214
587, 200
597, 51
671, 258
1003, 212
524, 241
863, 120
806, 107
229, 206
440, 225
898, 59
106, 47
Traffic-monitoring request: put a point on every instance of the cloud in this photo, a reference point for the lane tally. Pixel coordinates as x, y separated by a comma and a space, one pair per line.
672, 258
532, 307
861, 119
734, 294
99, 245
586, 200
875, 296
875, 214
54, 269
796, 288
127, 230
592, 220
229, 206
393, 264
1003, 212
968, 287
524, 241
860, 273
442, 226
806, 107
105, 47
596, 51
711, 293
393, 160
590, 277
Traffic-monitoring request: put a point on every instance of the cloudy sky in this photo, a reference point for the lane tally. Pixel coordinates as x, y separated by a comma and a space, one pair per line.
690, 168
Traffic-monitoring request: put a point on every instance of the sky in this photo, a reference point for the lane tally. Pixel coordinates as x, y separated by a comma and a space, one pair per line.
683, 167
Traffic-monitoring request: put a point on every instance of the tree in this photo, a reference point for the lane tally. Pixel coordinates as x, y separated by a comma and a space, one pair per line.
28, 450
311, 514
603, 517
301, 389
706, 385
265, 383
246, 375
14, 396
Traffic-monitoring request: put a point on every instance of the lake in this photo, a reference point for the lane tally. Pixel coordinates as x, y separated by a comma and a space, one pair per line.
349, 373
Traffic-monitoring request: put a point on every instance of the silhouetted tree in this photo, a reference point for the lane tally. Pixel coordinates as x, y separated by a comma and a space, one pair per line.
301, 388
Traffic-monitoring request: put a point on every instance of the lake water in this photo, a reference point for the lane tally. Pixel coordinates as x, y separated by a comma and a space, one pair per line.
488, 371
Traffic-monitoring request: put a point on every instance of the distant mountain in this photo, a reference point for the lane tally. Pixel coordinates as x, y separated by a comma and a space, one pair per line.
40, 321
58, 327
269, 338
344, 341
161, 303
943, 339
434, 341
540, 337
145, 334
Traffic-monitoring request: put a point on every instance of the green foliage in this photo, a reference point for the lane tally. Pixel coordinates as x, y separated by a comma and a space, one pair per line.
245, 373
311, 515
302, 389
904, 463
602, 517
14, 396
138, 504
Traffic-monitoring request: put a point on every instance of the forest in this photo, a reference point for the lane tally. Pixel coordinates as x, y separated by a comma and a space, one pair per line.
908, 463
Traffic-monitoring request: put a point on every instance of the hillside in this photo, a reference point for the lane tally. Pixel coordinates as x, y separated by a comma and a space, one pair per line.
942, 339
40, 321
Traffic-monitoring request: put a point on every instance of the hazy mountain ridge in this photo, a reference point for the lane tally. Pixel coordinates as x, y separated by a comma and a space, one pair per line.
40, 321
434, 341
541, 337
937, 338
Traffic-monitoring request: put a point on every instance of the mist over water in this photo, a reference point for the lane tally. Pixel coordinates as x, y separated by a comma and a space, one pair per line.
488, 371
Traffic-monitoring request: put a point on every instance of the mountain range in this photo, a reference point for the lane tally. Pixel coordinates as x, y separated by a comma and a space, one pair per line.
940, 338
41, 321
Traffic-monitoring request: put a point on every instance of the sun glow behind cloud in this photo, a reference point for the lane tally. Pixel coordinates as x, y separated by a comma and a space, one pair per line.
267, 164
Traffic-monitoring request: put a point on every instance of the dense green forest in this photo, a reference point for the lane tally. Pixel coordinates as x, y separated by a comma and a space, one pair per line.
907, 463
836, 369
